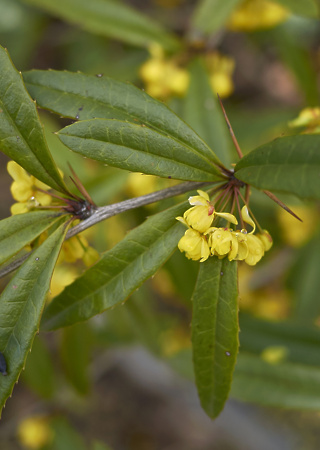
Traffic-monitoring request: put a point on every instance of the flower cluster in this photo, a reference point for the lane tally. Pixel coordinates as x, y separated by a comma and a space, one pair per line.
164, 76
202, 240
257, 14
25, 189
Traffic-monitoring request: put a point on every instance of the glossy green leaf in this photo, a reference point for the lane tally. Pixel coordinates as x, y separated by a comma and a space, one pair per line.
19, 230
212, 15
39, 373
138, 148
284, 384
202, 111
21, 134
215, 332
21, 306
80, 96
307, 8
119, 272
110, 18
290, 164
75, 354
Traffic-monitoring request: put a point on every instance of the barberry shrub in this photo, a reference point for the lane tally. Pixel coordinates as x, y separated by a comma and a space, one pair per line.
121, 126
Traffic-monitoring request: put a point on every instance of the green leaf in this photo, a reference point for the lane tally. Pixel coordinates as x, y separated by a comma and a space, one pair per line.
22, 303
80, 96
110, 18
300, 342
284, 384
39, 373
119, 272
21, 134
19, 230
139, 149
215, 332
212, 15
306, 8
290, 164
203, 112
65, 437
305, 281
75, 353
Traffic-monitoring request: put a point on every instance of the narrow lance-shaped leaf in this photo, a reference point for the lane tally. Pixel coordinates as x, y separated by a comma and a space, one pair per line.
119, 272
111, 18
212, 15
21, 134
83, 97
21, 306
290, 164
215, 332
202, 111
283, 384
19, 230
139, 149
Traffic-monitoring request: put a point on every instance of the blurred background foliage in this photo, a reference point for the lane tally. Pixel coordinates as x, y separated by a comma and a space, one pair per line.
91, 386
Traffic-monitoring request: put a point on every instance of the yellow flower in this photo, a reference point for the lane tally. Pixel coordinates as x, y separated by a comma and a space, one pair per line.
34, 432
257, 14
266, 240
63, 275
194, 245
255, 250
201, 216
163, 77
294, 232
24, 189
220, 241
308, 117
274, 354
90, 256
220, 69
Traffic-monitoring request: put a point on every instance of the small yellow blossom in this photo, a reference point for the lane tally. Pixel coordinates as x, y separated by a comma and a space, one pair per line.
201, 216
309, 118
91, 256
220, 68
257, 14
63, 275
294, 232
34, 432
162, 76
274, 354
24, 189
194, 245
201, 238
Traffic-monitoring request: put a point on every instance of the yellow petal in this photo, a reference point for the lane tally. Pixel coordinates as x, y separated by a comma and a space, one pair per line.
19, 208
247, 218
17, 172
229, 217
21, 191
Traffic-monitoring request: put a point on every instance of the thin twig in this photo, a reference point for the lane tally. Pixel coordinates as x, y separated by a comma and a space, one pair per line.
234, 139
283, 205
104, 212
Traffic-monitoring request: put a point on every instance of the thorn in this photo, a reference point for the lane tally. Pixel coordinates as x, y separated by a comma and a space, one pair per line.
280, 203
234, 139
